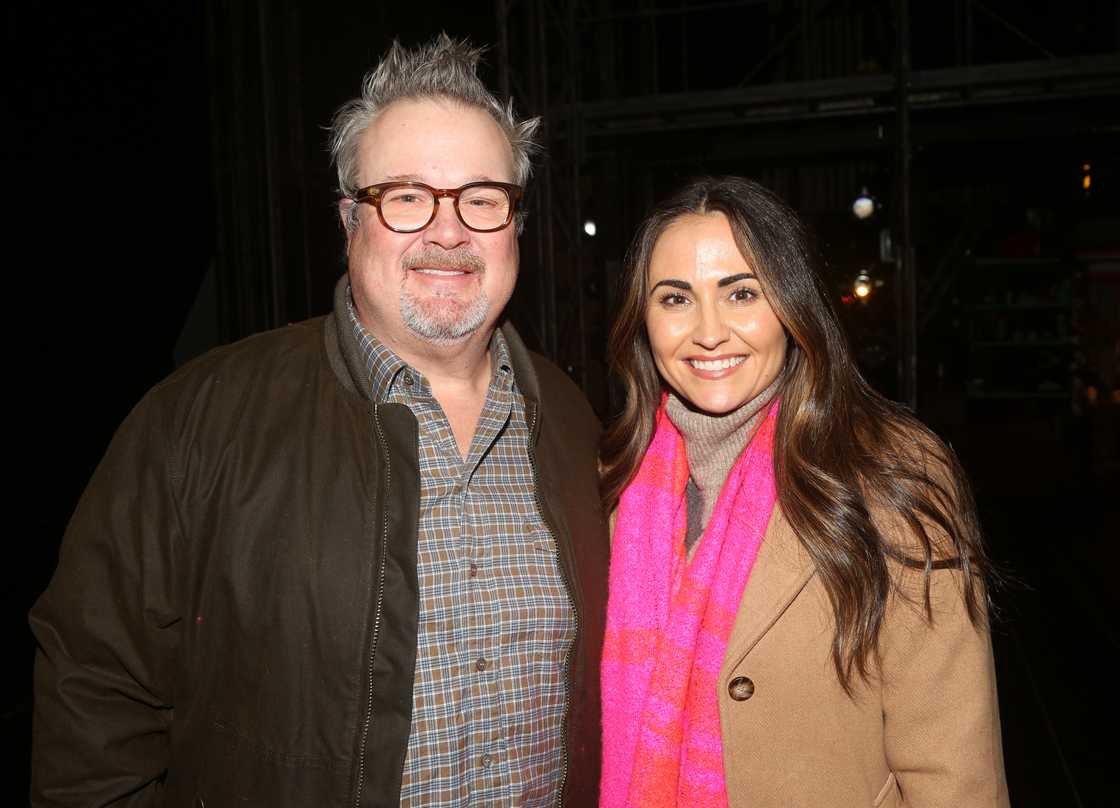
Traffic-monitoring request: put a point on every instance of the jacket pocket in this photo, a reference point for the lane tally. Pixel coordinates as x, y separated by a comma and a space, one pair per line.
889, 795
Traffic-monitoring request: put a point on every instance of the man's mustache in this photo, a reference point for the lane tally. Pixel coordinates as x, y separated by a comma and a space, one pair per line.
459, 259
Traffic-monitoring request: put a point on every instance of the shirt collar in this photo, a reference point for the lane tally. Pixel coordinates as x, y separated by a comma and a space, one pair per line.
383, 366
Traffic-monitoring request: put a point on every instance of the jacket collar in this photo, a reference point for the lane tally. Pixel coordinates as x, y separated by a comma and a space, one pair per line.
780, 572
345, 356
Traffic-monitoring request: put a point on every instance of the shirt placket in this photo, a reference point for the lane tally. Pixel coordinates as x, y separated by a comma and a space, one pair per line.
441, 546
490, 774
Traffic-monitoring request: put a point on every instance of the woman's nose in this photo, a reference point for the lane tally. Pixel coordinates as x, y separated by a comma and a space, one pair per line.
711, 331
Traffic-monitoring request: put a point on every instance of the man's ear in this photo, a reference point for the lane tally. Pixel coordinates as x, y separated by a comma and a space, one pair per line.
345, 211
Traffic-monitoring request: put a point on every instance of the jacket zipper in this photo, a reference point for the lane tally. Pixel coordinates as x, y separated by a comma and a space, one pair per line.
377, 613
564, 729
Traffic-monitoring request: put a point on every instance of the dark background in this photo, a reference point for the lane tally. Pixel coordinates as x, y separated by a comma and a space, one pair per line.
170, 187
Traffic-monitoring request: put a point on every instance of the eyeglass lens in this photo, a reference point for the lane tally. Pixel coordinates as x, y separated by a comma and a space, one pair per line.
482, 207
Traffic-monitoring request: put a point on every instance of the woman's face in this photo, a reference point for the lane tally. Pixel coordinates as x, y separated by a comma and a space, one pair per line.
715, 339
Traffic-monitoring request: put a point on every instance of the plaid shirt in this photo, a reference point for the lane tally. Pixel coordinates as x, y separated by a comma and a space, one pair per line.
496, 620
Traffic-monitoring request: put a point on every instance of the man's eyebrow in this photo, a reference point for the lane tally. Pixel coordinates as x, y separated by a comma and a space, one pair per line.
684, 286
730, 279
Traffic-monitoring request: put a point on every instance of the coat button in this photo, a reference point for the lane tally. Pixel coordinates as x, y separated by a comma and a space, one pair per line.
741, 688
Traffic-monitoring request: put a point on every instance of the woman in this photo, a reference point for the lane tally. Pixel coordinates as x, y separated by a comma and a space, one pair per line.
797, 614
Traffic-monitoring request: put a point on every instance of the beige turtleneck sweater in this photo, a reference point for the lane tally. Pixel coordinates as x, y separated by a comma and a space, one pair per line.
713, 443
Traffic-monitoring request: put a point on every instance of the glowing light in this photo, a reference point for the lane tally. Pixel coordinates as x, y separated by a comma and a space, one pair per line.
864, 205
862, 286
589, 227
1086, 181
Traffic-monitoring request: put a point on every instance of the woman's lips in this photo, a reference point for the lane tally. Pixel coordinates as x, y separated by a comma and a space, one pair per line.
715, 367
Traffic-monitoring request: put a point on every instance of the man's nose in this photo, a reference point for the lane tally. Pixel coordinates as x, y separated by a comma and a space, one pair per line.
446, 229
711, 331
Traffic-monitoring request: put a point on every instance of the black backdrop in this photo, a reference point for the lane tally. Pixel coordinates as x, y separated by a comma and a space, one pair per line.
165, 157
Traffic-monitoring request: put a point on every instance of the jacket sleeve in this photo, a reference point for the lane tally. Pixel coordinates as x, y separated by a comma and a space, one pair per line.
940, 711
107, 632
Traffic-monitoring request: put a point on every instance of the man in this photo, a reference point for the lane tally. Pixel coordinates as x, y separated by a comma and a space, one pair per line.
358, 561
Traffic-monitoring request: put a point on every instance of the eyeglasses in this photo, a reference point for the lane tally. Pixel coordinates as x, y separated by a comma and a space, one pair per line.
406, 207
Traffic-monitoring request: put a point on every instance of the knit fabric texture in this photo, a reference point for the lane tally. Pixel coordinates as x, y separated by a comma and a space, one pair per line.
668, 620
712, 443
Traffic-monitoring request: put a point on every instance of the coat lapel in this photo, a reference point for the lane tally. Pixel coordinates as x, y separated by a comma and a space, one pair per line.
780, 572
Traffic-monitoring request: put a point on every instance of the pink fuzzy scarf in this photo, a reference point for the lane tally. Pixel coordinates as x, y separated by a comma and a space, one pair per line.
668, 620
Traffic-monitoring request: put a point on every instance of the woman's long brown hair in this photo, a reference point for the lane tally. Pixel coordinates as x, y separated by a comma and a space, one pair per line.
842, 452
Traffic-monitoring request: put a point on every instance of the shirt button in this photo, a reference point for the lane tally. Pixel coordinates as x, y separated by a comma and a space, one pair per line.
481, 664
740, 688
487, 760
474, 569
408, 380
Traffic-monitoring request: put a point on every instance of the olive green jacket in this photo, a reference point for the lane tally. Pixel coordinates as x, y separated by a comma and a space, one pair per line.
233, 617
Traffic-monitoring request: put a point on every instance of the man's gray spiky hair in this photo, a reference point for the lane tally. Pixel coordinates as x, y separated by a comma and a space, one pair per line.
443, 68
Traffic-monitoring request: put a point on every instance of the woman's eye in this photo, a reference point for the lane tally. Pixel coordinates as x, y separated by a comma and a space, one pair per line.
673, 299
743, 295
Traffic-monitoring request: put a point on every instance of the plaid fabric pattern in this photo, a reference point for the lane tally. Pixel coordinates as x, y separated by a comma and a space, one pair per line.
495, 617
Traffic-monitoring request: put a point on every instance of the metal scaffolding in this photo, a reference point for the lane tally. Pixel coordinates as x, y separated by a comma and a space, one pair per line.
622, 108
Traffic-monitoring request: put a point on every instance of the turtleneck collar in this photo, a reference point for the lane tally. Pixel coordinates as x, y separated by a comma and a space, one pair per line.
714, 442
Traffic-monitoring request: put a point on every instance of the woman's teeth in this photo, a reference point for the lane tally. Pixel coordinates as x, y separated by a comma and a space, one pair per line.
716, 364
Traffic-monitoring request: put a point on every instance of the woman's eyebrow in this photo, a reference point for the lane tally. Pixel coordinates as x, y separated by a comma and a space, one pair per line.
730, 279
682, 285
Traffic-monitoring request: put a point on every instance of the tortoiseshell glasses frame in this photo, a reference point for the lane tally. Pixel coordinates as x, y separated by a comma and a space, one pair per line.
491, 205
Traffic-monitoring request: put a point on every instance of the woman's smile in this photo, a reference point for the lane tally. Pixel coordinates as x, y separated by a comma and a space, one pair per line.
716, 367
715, 338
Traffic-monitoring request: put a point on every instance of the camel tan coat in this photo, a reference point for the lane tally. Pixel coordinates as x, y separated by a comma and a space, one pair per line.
924, 732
